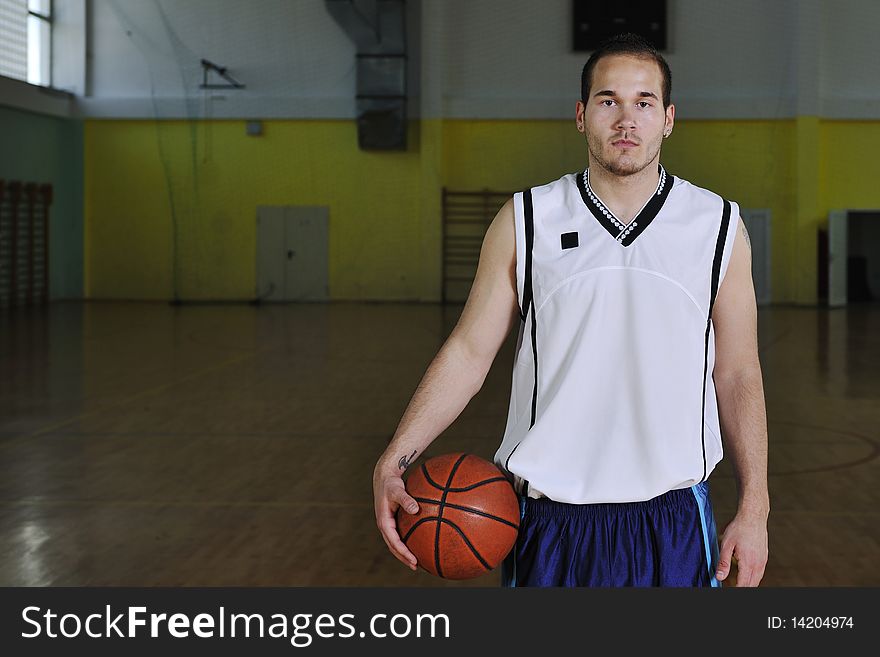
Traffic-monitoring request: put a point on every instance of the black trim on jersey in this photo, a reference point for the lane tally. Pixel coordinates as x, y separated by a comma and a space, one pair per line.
528, 301
535, 354
528, 295
626, 235
529, 221
507, 460
719, 253
716, 275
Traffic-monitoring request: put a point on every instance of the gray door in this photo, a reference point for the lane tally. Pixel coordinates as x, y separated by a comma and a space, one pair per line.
837, 257
757, 222
292, 253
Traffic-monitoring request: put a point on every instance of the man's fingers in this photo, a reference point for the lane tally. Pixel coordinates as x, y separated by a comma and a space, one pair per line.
743, 575
397, 554
394, 548
408, 503
749, 573
398, 547
723, 569
390, 495
759, 575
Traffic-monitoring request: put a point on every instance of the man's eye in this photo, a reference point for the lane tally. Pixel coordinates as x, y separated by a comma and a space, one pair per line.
644, 104
607, 102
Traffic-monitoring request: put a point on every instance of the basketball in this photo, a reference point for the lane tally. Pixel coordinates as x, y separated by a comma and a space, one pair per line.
468, 516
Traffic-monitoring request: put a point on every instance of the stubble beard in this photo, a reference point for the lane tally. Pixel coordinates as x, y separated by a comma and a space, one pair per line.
624, 165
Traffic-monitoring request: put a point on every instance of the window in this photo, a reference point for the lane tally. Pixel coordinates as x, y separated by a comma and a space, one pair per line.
39, 42
26, 40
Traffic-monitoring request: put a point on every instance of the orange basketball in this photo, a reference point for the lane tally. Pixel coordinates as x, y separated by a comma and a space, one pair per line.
468, 516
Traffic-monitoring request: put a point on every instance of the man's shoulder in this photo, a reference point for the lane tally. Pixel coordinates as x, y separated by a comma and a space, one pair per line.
690, 193
564, 182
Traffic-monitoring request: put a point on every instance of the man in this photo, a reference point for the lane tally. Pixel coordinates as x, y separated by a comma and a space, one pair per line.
637, 346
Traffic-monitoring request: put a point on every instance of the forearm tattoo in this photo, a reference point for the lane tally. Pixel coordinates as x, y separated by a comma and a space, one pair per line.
746, 235
406, 461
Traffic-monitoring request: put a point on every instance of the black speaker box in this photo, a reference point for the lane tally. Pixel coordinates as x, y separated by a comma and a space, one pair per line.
596, 21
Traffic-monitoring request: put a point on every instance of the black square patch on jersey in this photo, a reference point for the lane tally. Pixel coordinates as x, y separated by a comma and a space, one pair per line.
569, 240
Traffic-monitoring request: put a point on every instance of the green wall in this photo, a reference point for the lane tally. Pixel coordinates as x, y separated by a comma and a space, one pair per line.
46, 149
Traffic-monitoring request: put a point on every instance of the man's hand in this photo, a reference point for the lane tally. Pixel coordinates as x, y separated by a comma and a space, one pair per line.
745, 540
739, 388
454, 376
389, 494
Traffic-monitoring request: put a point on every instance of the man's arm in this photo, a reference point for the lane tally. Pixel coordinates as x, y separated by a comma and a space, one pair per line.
454, 376
740, 392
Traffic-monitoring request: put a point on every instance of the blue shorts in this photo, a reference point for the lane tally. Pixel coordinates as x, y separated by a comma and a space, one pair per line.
669, 540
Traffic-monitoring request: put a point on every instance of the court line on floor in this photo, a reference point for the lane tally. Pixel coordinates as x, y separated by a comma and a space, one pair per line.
872, 443
774, 340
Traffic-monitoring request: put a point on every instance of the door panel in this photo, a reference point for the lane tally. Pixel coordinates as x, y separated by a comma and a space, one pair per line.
837, 257
305, 253
270, 264
292, 255
757, 222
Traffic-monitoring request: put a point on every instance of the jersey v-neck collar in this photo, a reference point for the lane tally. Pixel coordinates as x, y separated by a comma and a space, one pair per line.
625, 234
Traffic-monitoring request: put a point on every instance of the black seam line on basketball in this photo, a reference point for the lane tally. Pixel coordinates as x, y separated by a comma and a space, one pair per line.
529, 223
426, 500
428, 478
463, 488
477, 512
716, 275
465, 539
439, 520
440, 512
413, 528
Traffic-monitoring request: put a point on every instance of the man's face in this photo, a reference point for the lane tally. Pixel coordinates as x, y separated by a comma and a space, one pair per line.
623, 119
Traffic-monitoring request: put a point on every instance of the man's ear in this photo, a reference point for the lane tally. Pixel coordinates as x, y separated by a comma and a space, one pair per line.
579, 118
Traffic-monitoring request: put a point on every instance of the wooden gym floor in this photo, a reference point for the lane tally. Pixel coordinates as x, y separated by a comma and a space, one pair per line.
145, 444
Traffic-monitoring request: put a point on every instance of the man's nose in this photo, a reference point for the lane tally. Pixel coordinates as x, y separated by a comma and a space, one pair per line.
627, 120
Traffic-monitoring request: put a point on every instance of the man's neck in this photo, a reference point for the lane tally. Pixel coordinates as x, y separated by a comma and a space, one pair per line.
624, 195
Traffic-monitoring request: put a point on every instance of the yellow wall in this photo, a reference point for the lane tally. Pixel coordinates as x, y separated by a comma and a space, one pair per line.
849, 169
749, 162
509, 155
385, 239
213, 176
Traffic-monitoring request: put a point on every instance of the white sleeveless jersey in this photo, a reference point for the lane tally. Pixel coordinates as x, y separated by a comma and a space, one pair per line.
612, 397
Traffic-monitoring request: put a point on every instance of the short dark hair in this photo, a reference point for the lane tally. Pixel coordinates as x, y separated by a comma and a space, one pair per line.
626, 44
